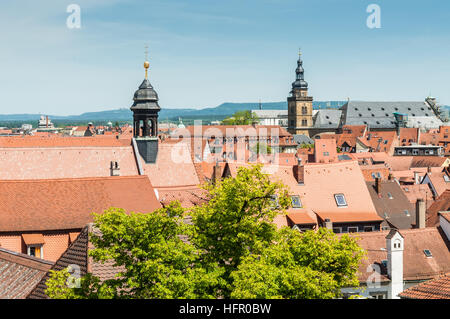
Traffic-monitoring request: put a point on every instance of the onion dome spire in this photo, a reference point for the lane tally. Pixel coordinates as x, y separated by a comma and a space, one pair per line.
300, 82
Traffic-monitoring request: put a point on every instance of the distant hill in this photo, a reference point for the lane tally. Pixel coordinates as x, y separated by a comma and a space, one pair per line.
124, 114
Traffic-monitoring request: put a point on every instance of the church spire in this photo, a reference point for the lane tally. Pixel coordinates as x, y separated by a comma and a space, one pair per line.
299, 82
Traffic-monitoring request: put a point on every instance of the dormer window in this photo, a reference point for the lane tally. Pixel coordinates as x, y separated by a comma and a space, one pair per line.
296, 202
340, 200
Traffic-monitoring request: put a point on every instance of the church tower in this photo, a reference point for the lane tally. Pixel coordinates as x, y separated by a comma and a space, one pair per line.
299, 103
145, 119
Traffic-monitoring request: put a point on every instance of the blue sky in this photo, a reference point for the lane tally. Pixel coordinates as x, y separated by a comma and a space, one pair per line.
205, 52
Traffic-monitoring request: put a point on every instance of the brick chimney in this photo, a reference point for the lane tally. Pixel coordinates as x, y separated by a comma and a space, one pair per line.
420, 213
299, 172
378, 185
114, 168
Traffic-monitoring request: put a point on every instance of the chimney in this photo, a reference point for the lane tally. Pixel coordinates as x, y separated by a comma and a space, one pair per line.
378, 185
420, 213
394, 245
390, 177
416, 178
299, 172
328, 224
114, 168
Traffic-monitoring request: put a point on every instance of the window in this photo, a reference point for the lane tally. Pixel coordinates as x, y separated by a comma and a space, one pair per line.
378, 295
389, 195
326, 154
296, 203
384, 262
340, 200
35, 251
337, 230
274, 201
352, 229
304, 122
369, 228
386, 215
427, 253
407, 213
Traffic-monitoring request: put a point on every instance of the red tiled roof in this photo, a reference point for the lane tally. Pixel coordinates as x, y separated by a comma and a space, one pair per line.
34, 205
33, 239
77, 254
301, 218
42, 142
432, 289
416, 266
174, 166
19, 273
442, 203
336, 217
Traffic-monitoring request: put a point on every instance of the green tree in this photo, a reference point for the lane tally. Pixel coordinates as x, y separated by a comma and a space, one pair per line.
241, 118
232, 249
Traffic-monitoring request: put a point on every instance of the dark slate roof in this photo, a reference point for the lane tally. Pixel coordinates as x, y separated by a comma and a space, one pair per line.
302, 139
327, 118
77, 254
19, 273
395, 207
145, 98
381, 114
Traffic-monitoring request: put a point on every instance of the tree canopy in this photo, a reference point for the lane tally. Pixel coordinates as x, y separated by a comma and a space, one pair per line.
241, 118
230, 249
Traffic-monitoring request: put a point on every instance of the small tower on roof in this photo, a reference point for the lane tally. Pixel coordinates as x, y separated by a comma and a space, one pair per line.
145, 110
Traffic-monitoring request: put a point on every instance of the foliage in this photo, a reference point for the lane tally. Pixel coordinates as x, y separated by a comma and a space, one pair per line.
309, 146
232, 249
241, 118
261, 148
237, 220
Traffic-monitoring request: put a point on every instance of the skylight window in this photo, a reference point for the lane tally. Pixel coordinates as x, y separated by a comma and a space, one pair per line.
340, 200
296, 202
407, 213
427, 253
389, 195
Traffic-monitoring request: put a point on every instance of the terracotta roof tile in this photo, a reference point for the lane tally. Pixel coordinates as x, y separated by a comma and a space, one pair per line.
69, 203
20, 273
432, 289
416, 266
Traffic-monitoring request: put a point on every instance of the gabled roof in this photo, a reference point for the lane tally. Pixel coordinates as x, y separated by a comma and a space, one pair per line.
394, 208
381, 114
77, 254
69, 203
442, 203
432, 289
416, 265
19, 273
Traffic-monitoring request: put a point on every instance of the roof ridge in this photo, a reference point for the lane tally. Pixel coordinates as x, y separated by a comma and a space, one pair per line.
72, 179
25, 256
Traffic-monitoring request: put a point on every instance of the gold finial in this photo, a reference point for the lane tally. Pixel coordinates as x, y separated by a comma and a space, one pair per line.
146, 63
299, 52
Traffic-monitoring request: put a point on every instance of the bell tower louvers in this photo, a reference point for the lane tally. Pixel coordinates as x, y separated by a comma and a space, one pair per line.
145, 119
